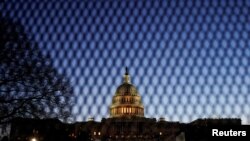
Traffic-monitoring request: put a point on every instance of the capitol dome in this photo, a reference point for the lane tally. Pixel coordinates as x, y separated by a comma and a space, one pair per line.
126, 101
126, 89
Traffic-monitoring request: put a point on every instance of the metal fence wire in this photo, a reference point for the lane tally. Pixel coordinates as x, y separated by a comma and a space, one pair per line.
188, 59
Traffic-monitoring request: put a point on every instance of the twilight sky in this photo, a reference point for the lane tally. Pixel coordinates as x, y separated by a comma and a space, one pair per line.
189, 59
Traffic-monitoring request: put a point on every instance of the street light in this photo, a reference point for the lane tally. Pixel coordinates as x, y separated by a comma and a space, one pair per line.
33, 139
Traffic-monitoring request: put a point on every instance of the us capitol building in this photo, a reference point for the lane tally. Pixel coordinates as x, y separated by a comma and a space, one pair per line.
126, 123
126, 101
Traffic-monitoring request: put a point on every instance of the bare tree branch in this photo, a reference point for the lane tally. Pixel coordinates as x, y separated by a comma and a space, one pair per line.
29, 85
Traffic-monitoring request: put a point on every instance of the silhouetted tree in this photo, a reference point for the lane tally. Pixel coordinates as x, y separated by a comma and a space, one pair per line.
29, 85
5, 138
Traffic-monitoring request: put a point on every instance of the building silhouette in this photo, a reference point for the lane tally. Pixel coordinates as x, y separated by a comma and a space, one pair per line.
126, 123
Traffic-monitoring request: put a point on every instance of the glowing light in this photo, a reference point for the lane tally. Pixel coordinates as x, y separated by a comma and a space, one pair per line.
33, 139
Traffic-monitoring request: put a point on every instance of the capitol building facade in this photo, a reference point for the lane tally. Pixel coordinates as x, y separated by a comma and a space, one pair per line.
126, 123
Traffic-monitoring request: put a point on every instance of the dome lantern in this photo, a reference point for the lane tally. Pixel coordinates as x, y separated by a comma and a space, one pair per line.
126, 77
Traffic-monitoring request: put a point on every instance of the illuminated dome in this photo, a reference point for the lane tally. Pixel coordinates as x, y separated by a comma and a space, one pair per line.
126, 101
126, 89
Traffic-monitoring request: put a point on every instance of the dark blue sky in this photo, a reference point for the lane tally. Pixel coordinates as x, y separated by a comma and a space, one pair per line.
188, 59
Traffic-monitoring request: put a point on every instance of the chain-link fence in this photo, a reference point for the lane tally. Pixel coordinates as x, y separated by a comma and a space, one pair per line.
189, 59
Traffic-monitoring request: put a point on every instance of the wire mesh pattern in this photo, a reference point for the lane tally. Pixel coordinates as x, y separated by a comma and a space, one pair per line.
189, 59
